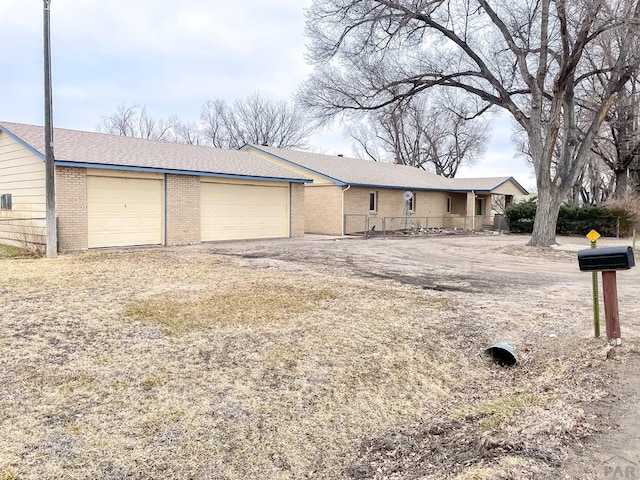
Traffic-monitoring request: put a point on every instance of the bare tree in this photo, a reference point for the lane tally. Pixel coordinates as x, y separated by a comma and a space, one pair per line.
190, 133
134, 121
255, 120
618, 144
424, 134
595, 183
527, 58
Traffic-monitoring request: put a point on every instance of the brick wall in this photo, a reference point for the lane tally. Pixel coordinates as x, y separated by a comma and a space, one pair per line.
323, 210
432, 205
183, 209
391, 202
297, 209
71, 208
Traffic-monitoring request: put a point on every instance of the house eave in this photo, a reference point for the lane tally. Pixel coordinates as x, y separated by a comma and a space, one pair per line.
339, 183
26, 145
102, 166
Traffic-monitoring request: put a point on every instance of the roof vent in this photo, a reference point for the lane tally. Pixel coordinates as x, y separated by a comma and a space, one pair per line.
340, 155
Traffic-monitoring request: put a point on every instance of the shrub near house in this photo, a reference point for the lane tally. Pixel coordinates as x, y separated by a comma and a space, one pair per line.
573, 220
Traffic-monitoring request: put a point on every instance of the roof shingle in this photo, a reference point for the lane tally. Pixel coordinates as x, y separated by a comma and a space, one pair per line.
354, 171
103, 149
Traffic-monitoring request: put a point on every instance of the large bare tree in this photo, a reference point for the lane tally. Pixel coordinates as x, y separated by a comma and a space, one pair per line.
618, 143
526, 57
423, 133
134, 121
594, 185
255, 120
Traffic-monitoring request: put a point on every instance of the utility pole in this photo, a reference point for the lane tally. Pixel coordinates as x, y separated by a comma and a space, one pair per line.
50, 170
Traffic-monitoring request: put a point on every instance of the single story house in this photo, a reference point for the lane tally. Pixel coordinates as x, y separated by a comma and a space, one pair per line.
114, 191
351, 195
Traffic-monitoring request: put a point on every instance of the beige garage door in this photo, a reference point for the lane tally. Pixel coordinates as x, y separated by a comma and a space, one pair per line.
124, 211
234, 212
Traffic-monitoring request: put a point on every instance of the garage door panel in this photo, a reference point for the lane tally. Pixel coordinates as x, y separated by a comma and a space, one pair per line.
124, 211
232, 212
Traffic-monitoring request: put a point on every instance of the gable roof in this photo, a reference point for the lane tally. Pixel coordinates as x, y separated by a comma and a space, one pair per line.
98, 150
486, 184
366, 173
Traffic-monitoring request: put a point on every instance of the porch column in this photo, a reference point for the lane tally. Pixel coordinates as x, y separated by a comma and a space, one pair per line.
471, 210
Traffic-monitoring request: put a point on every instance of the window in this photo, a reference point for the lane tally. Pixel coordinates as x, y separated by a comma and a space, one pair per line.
479, 207
5, 201
448, 204
412, 203
373, 201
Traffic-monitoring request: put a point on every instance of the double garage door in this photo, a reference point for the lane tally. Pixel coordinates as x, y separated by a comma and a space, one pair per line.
127, 211
235, 212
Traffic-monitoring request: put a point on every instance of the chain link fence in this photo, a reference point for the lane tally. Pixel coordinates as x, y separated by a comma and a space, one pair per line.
373, 225
26, 233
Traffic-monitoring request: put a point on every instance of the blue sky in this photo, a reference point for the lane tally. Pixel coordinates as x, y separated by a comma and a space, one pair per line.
172, 57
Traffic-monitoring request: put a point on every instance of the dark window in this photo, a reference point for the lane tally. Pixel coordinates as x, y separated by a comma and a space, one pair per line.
412, 203
479, 206
373, 201
5, 201
448, 204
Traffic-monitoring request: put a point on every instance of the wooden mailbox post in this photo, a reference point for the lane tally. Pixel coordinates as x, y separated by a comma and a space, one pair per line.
608, 261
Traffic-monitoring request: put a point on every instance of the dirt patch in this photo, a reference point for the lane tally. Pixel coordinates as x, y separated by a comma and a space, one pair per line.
307, 359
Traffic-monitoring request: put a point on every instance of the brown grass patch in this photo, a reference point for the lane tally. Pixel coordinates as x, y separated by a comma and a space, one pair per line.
538, 252
281, 369
259, 304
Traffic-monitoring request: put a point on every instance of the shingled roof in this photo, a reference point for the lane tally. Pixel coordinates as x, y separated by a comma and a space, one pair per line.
358, 172
99, 150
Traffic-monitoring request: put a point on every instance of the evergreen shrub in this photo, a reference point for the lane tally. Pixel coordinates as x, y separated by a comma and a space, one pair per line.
573, 220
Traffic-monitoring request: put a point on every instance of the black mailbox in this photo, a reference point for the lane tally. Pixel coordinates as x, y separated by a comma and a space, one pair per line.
611, 258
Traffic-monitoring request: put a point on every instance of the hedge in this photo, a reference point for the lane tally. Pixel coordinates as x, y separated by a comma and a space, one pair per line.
572, 220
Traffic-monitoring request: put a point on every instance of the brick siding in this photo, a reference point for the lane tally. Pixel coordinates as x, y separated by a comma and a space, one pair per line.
183, 209
297, 209
323, 210
71, 208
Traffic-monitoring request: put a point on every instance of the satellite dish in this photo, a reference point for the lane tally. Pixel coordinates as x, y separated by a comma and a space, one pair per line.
407, 196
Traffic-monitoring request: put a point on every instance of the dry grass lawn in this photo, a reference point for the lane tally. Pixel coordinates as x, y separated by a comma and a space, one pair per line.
188, 363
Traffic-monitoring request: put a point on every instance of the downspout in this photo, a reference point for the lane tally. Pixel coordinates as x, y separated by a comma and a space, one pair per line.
344, 220
473, 212
165, 210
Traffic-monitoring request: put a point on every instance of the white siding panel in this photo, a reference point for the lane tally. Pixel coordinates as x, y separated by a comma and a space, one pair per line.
124, 211
235, 212
508, 188
21, 175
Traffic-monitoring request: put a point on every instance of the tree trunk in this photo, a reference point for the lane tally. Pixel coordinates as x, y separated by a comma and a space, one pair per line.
544, 227
576, 193
621, 184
